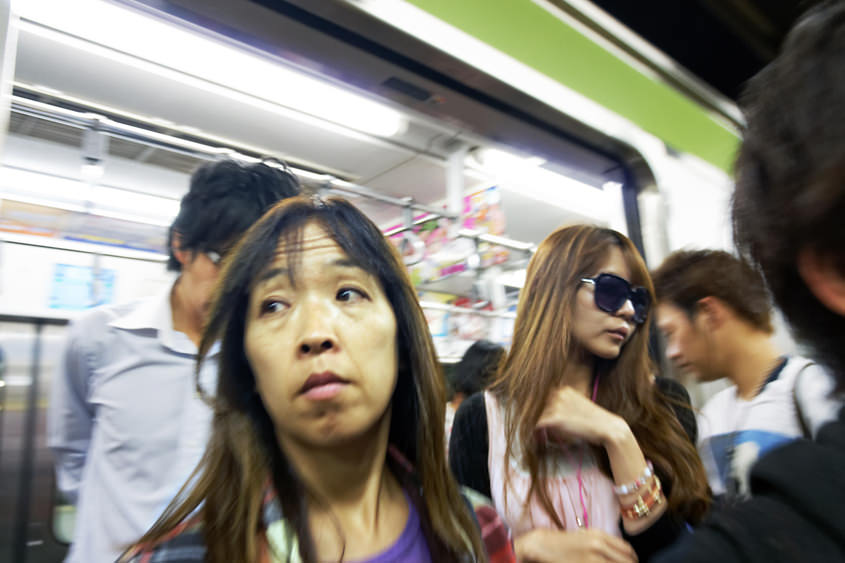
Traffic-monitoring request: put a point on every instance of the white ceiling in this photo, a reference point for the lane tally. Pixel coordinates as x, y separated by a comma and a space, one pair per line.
409, 165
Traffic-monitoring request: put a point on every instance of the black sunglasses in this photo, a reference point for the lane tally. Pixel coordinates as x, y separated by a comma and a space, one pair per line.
612, 291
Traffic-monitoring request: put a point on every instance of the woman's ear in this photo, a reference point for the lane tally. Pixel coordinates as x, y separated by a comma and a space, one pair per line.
822, 272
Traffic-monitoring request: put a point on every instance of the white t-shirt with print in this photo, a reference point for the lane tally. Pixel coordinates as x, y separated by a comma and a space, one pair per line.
733, 433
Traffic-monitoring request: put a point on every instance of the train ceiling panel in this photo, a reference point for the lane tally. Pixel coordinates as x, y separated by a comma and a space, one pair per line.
114, 84
38, 128
335, 39
447, 104
46, 130
105, 82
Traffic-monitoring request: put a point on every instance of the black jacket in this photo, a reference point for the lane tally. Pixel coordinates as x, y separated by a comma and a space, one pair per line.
796, 512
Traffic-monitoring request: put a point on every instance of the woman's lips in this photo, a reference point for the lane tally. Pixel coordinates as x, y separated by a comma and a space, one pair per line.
619, 334
322, 386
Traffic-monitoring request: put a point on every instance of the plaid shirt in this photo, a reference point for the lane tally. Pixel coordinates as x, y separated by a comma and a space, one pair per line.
186, 544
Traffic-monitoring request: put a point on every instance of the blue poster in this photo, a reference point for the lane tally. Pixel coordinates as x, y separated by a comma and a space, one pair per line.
75, 288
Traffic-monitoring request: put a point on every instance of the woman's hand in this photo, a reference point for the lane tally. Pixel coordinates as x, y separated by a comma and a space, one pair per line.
585, 546
570, 415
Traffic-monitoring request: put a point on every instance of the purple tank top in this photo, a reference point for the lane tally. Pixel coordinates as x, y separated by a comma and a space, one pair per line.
411, 546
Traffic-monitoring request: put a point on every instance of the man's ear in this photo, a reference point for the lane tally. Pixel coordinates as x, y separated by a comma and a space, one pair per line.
182, 256
824, 277
710, 311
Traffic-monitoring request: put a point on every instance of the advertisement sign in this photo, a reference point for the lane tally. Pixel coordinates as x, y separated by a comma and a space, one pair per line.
75, 288
432, 255
39, 220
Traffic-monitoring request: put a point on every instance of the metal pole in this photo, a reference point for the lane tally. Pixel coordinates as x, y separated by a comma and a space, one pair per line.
455, 182
19, 536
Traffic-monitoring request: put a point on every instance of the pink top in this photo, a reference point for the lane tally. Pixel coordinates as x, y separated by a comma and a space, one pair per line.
600, 502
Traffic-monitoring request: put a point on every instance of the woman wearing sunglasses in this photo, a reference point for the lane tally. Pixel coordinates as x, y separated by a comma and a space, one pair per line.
575, 443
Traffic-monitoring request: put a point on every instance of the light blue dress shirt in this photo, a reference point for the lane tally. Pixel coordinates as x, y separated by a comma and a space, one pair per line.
125, 423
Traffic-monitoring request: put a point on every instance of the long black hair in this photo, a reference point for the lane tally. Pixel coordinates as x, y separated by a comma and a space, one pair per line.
790, 175
244, 450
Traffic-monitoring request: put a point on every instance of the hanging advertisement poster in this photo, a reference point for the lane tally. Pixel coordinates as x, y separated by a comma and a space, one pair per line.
75, 288
483, 213
468, 326
39, 220
431, 254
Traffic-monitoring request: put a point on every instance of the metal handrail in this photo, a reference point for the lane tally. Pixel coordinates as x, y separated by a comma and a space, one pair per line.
86, 120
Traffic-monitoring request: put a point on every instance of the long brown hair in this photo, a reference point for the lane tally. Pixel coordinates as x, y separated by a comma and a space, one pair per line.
243, 452
543, 346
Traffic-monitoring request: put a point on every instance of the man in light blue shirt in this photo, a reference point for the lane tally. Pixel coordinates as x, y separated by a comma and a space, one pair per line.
125, 423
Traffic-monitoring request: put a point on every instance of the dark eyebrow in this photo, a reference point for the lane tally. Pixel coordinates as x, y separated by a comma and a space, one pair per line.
346, 263
274, 272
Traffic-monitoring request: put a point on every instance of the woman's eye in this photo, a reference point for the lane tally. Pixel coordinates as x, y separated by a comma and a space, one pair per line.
271, 306
350, 295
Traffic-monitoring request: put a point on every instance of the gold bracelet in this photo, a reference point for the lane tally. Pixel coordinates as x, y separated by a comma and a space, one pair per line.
637, 483
644, 504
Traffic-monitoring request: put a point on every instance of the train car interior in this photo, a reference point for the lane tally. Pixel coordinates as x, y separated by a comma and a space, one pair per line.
112, 104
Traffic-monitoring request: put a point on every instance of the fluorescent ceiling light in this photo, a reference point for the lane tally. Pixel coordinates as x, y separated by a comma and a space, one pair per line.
405, 15
430, 29
501, 162
526, 176
178, 76
64, 193
156, 41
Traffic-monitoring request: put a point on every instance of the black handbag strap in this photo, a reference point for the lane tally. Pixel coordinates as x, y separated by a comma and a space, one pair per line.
799, 413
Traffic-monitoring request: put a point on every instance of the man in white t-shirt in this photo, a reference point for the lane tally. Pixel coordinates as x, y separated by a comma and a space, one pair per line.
715, 314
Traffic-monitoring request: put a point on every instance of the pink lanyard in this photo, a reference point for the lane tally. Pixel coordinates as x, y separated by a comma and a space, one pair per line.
580, 462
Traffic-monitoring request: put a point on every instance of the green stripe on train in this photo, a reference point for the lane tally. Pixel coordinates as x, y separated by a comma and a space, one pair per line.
530, 34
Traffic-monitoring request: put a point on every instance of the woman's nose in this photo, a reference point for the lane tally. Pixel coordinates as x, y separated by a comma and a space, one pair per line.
317, 334
627, 310
315, 345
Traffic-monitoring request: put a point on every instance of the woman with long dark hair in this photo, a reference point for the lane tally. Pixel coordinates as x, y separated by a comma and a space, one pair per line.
574, 435
329, 405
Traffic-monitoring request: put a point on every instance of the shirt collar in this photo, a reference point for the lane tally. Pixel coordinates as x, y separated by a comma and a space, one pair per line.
775, 373
154, 313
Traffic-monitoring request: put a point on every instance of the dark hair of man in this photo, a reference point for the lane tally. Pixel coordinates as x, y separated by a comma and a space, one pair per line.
687, 276
477, 367
223, 200
790, 192
243, 449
